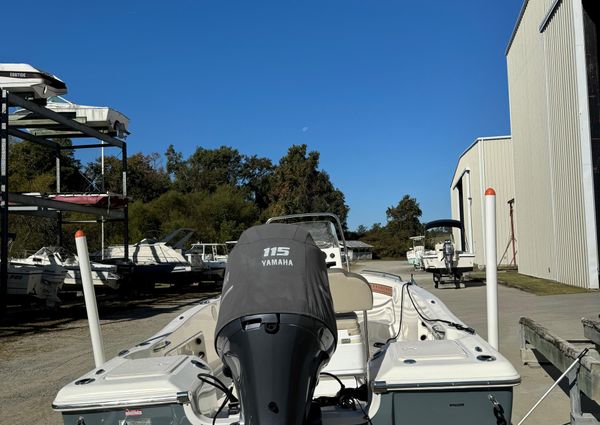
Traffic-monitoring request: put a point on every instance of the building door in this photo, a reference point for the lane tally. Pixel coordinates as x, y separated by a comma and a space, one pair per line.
591, 21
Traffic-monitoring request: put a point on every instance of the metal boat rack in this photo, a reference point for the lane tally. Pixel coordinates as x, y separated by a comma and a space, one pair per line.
48, 125
561, 353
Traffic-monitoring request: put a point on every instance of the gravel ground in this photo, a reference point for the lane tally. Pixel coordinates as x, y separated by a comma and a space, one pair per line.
39, 355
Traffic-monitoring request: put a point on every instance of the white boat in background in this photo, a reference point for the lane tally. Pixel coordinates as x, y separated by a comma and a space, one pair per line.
153, 261
210, 257
29, 82
448, 258
415, 255
23, 280
28, 280
54, 258
101, 118
333, 347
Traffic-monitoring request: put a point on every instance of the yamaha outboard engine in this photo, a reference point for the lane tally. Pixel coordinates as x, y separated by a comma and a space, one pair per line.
276, 327
448, 255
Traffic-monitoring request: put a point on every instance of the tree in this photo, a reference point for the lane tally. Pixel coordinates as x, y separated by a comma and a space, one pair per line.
256, 176
392, 240
146, 178
32, 168
404, 217
216, 217
298, 186
205, 169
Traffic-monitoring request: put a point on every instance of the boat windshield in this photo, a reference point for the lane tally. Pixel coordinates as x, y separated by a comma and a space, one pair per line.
438, 235
322, 232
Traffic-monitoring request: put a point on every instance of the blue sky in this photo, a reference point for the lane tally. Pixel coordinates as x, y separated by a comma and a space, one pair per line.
389, 92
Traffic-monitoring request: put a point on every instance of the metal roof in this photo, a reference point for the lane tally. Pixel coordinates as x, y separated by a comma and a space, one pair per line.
358, 244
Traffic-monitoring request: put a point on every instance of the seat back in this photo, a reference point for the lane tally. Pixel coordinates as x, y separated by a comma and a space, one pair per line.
349, 291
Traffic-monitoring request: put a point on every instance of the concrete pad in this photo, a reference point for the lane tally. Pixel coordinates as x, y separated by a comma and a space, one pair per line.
560, 313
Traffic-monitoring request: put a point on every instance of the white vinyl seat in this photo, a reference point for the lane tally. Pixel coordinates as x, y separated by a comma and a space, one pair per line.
351, 293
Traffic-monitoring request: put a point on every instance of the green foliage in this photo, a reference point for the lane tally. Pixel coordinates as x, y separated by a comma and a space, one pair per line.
392, 240
205, 169
32, 168
218, 216
146, 179
219, 192
298, 186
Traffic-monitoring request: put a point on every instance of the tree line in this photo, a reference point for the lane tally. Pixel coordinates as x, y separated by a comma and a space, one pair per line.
219, 192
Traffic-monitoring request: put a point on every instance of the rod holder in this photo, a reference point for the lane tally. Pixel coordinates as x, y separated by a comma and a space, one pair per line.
90, 297
491, 271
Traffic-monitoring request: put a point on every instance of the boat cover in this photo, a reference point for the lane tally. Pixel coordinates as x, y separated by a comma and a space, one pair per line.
276, 268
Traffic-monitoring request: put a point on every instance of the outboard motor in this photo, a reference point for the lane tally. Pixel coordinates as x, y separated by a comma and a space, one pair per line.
276, 328
448, 255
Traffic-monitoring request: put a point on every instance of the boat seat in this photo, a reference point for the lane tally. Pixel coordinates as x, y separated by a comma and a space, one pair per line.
350, 291
348, 322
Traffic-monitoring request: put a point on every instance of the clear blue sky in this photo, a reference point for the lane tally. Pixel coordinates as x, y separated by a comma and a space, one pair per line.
389, 92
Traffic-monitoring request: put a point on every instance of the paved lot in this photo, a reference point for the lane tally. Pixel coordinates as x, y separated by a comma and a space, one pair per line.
39, 355
560, 313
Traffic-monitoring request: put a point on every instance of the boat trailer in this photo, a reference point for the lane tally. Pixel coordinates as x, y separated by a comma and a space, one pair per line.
539, 345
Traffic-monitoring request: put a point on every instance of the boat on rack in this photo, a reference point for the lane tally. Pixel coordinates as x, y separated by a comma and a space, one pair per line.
101, 118
449, 257
65, 265
30, 82
291, 341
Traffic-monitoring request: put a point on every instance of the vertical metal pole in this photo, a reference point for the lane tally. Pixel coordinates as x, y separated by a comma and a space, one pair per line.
491, 272
59, 237
469, 214
58, 171
102, 247
4, 199
512, 232
59, 215
126, 209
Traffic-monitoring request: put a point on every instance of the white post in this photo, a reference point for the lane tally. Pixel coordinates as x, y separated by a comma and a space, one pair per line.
491, 273
90, 297
469, 216
103, 191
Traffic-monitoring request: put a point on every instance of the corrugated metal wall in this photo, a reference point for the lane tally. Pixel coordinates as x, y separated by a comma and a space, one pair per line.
490, 161
544, 114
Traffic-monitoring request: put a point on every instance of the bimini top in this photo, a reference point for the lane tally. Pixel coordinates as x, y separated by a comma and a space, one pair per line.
443, 223
276, 268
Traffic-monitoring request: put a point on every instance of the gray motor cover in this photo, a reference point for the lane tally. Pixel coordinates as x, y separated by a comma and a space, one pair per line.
276, 268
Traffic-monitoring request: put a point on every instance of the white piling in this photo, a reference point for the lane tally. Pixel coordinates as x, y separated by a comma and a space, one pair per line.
491, 272
90, 297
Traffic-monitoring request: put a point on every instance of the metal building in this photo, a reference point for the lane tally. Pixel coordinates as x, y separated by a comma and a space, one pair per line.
358, 250
488, 162
552, 60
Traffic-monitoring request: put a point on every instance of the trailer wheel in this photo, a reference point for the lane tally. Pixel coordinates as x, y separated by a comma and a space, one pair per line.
437, 278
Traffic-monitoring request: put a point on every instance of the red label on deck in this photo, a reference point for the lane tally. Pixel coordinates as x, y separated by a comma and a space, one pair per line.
382, 289
134, 412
